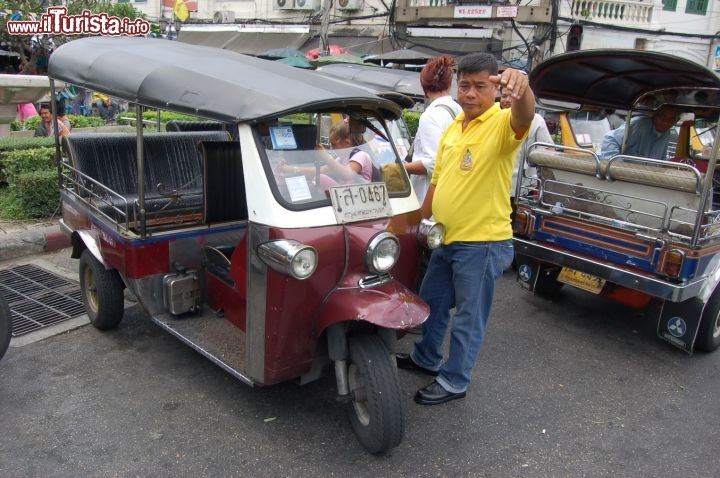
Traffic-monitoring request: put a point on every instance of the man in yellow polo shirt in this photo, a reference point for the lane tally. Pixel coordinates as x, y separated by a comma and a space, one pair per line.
469, 195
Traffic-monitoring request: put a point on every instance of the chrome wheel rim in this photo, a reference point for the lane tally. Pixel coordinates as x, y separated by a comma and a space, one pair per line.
90, 290
357, 388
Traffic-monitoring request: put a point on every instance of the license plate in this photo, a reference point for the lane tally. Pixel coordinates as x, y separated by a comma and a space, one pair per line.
581, 280
359, 202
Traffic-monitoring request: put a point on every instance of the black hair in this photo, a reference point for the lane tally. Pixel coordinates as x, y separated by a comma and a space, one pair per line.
59, 107
477, 62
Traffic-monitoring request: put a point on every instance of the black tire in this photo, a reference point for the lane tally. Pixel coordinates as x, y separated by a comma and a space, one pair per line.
376, 412
102, 292
5, 326
547, 284
708, 336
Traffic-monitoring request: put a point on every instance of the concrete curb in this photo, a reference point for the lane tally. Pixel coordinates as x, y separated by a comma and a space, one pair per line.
32, 241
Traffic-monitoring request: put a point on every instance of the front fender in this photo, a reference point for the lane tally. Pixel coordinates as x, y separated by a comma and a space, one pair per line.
390, 305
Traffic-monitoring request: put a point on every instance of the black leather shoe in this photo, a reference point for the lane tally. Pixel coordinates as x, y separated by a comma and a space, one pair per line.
435, 394
405, 362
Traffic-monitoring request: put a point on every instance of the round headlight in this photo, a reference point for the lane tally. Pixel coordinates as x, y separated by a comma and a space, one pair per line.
431, 234
382, 253
304, 263
289, 257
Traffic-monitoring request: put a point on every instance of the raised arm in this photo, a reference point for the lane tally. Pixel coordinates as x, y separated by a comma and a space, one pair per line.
515, 82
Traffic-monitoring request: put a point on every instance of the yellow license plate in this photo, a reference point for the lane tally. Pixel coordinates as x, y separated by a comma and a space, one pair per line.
581, 280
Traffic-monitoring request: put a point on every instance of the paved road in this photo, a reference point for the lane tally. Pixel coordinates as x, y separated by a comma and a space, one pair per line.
572, 388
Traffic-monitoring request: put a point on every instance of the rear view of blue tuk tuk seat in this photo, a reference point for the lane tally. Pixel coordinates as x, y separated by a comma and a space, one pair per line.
637, 192
107, 173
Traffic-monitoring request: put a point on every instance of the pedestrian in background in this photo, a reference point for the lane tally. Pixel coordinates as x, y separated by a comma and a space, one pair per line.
441, 110
469, 195
107, 108
47, 124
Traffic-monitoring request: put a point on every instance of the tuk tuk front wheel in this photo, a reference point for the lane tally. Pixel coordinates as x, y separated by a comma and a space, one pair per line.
102, 292
5, 326
376, 413
708, 336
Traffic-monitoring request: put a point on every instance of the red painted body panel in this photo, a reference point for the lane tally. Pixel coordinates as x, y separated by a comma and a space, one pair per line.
221, 295
297, 312
293, 306
390, 305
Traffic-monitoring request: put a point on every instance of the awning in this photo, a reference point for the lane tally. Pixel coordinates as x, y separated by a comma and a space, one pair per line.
249, 43
238, 39
362, 46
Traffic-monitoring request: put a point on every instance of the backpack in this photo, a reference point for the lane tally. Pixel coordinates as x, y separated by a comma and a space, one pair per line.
376, 175
447, 108
408, 157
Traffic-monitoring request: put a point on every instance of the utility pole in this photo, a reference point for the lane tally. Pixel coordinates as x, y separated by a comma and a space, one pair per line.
324, 27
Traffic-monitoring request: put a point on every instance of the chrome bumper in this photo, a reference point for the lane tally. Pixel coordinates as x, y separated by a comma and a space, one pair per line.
654, 286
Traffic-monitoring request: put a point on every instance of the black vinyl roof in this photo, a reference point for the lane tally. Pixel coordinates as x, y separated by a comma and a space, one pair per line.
618, 78
203, 81
383, 79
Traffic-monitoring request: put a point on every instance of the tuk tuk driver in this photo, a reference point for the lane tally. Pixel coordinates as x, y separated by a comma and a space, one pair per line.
648, 138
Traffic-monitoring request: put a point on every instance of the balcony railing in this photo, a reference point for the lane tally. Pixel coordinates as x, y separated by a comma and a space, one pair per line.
616, 12
428, 3
635, 13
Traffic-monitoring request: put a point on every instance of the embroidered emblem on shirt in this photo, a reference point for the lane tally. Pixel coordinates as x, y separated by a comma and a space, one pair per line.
467, 163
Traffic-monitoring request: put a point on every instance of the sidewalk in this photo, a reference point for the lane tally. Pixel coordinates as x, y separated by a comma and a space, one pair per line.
24, 238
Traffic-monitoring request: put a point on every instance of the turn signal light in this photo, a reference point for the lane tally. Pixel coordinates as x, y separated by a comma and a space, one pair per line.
673, 262
521, 222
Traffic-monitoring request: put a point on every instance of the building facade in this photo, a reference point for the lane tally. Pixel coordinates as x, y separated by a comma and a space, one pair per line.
519, 34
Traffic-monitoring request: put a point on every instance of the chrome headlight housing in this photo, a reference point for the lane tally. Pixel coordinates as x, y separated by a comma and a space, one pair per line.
289, 257
382, 252
431, 234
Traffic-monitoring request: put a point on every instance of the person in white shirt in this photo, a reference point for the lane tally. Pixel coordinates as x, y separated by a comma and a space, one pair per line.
436, 80
538, 134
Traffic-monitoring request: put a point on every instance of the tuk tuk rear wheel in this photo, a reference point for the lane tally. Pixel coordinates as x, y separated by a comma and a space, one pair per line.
376, 413
5, 326
708, 336
102, 292
547, 284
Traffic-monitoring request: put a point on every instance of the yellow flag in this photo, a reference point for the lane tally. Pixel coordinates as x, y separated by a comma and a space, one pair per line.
181, 10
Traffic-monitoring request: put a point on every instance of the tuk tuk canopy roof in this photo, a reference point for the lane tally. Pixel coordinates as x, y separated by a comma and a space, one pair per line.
383, 79
616, 79
203, 81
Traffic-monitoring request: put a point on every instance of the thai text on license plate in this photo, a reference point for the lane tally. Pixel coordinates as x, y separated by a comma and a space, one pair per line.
359, 202
581, 280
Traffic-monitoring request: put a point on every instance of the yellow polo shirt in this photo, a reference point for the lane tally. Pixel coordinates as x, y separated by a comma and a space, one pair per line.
472, 177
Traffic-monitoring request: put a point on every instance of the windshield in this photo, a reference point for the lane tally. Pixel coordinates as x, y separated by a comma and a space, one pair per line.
705, 132
308, 153
588, 129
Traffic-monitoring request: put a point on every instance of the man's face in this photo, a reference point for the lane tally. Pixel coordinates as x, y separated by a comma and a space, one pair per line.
505, 101
45, 114
665, 119
476, 93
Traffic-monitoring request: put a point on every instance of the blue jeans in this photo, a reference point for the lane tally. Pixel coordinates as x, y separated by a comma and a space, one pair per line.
464, 274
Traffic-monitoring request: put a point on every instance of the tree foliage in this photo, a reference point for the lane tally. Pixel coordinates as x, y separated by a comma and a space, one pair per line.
34, 50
